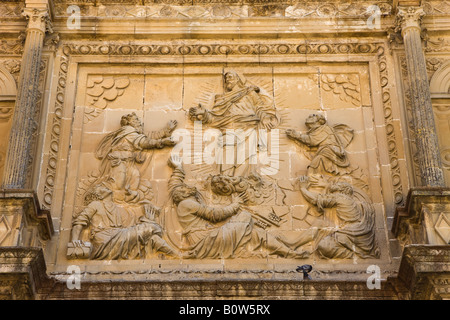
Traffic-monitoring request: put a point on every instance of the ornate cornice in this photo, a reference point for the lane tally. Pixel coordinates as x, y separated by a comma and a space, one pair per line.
214, 9
192, 2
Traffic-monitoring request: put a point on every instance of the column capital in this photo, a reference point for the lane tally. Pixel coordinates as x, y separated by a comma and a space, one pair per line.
38, 18
410, 17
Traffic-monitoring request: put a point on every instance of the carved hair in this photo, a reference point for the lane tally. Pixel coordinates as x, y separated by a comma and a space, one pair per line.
92, 194
342, 187
183, 191
225, 185
320, 118
125, 120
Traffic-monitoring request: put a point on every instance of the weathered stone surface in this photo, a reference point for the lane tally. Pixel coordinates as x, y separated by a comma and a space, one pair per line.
22, 222
141, 111
426, 137
426, 271
424, 219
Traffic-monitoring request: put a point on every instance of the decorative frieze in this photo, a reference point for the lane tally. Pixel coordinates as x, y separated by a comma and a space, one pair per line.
213, 49
214, 9
55, 133
11, 47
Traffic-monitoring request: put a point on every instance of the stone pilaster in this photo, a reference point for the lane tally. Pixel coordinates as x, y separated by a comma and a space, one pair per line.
20, 153
426, 137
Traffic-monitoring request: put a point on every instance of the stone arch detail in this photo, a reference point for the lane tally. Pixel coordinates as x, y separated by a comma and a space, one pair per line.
8, 89
440, 82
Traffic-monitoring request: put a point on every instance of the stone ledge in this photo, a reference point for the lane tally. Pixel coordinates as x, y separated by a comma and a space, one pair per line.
25, 202
22, 272
221, 290
424, 274
412, 212
425, 271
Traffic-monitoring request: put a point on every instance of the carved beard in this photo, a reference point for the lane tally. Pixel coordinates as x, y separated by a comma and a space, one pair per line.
230, 86
139, 129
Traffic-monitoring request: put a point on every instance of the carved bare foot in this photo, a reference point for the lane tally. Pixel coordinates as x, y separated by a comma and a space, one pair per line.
302, 254
188, 255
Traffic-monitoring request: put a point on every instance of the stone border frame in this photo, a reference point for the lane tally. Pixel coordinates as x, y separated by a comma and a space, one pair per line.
386, 115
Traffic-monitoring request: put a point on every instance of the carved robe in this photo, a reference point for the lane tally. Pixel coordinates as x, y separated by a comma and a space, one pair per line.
243, 112
207, 240
120, 152
356, 227
218, 232
330, 142
115, 236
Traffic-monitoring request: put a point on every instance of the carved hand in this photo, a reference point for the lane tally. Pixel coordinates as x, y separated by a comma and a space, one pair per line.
130, 192
291, 133
316, 180
240, 198
338, 150
175, 161
267, 121
303, 181
152, 212
171, 125
168, 142
77, 243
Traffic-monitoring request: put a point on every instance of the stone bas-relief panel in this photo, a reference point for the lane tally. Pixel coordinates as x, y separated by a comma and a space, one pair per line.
230, 163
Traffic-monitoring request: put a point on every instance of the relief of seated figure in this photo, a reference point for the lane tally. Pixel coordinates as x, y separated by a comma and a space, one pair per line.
112, 233
348, 231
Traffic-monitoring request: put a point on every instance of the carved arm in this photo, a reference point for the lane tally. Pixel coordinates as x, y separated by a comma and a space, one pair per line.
217, 214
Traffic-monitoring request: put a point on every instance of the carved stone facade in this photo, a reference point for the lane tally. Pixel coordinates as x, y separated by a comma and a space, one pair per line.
155, 143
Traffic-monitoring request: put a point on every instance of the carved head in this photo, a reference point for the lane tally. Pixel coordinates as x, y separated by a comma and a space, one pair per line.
231, 79
98, 192
133, 120
182, 192
341, 187
225, 185
315, 120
